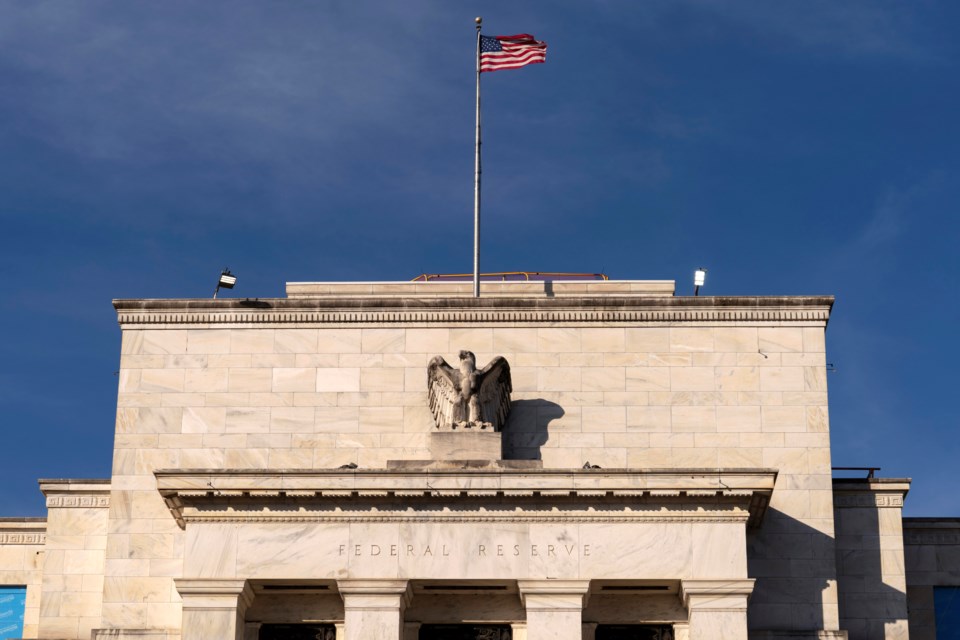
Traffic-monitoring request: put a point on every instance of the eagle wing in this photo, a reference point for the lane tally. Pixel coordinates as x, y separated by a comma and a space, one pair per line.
444, 394
494, 387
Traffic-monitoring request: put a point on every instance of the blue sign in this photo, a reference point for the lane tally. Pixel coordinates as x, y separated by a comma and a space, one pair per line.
946, 603
13, 601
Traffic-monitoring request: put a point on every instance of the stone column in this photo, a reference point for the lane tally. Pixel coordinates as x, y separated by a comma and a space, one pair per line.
554, 608
411, 630
213, 608
252, 630
338, 629
716, 609
373, 609
681, 631
518, 630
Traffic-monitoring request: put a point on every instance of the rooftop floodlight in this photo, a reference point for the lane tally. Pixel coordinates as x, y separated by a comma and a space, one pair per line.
226, 281
699, 277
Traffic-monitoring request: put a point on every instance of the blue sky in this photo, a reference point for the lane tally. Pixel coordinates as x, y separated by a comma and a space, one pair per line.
790, 147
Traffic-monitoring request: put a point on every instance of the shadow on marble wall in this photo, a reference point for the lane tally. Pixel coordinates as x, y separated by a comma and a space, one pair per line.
793, 565
870, 572
527, 428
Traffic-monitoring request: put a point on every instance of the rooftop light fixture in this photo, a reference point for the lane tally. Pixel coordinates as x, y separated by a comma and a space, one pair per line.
226, 281
699, 277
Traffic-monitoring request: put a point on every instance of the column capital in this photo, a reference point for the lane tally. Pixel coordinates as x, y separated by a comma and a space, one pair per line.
251, 630
681, 631
554, 595
716, 594
214, 607
214, 593
518, 630
366, 594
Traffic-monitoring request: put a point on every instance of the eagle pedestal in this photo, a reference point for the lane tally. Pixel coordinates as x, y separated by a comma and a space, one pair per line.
466, 444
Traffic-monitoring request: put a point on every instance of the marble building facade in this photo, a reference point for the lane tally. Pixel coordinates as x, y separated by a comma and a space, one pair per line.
665, 472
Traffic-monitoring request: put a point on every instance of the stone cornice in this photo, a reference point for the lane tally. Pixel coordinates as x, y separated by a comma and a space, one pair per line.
77, 494
32, 531
931, 531
411, 311
868, 500
467, 496
870, 492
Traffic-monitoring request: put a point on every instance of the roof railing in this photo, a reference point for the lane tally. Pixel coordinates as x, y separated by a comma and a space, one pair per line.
508, 276
870, 470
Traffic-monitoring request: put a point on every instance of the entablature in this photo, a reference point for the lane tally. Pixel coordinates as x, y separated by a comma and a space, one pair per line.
388, 495
588, 310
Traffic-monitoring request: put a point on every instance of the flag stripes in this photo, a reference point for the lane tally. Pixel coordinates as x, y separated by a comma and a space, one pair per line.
510, 52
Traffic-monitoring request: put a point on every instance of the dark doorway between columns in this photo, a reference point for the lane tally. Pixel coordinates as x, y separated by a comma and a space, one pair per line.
298, 632
465, 632
634, 632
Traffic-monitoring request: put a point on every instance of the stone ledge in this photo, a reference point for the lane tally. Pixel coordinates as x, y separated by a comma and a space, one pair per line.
135, 634
813, 634
31, 522
931, 523
462, 479
484, 464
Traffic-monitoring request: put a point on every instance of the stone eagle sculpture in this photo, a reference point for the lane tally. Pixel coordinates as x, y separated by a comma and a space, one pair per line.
466, 398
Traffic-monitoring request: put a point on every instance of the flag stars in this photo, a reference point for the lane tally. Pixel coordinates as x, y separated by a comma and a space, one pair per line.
489, 44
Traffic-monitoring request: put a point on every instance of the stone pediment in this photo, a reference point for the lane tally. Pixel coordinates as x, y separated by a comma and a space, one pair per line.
465, 495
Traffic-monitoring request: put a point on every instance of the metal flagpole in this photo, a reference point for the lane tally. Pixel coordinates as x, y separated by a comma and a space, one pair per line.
476, 183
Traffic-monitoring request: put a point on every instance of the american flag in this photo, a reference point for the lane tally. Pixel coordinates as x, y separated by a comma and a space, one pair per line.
510, 52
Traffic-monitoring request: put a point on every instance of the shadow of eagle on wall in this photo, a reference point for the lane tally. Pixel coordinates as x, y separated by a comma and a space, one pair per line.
468, 398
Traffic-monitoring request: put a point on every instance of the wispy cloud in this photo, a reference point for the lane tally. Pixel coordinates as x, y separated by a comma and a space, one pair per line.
887, 221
